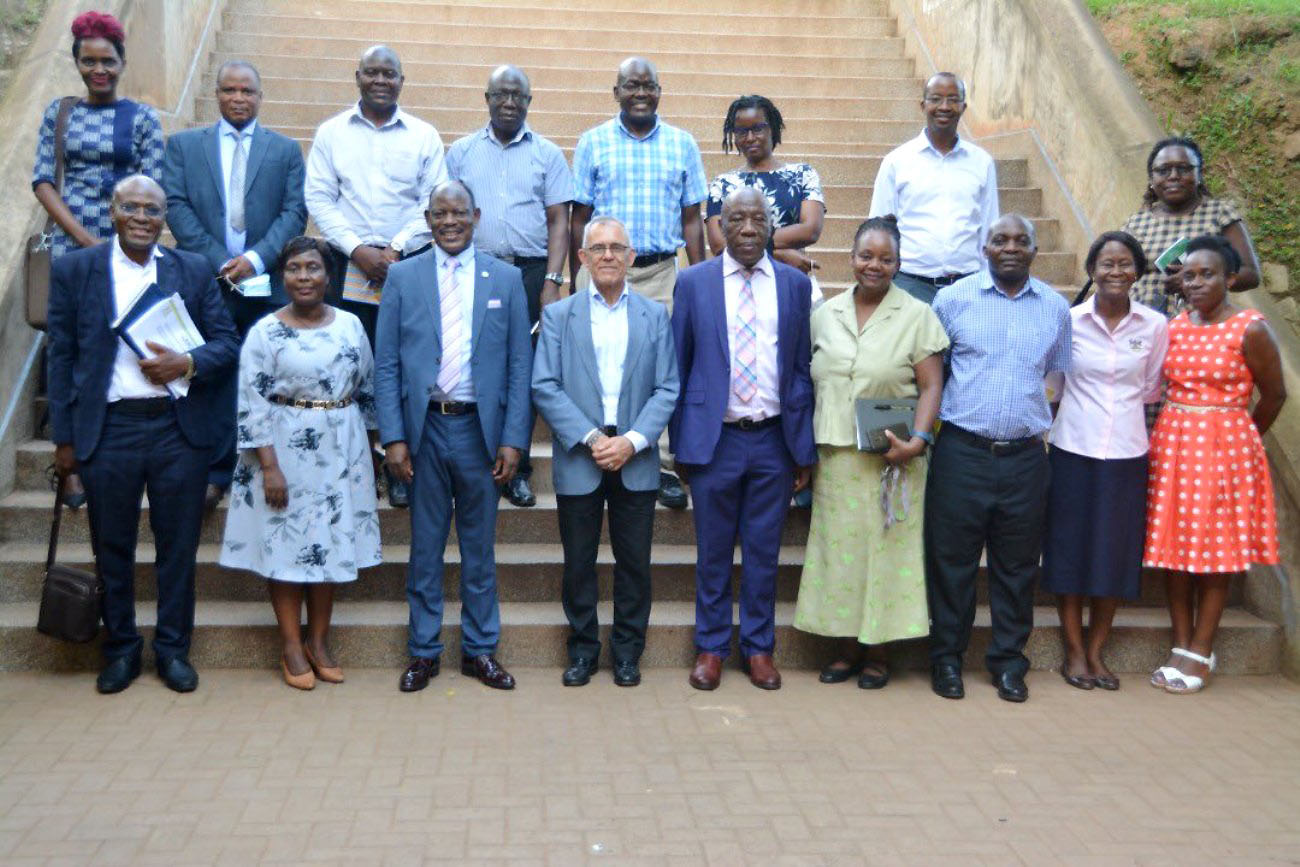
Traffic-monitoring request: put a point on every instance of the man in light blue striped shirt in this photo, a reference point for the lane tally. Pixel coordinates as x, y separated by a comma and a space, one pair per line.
648, 175
988, 477
522, 185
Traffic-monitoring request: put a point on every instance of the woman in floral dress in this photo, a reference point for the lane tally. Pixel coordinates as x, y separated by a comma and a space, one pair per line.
302, 508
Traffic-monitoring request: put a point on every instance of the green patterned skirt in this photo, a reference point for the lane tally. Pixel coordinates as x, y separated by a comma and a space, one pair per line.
859, 579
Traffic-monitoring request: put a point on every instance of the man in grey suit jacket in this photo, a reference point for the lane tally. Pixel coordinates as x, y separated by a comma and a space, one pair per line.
452, 363
605, 380
234, 196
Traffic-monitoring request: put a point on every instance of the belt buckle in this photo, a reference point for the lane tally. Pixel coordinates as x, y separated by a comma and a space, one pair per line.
442, 407
996, 447
745, 424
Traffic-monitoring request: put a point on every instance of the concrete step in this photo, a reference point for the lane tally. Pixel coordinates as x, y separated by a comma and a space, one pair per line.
794, 9
525, 573
838, 231
472, 64
456, 22
373, 634
279, 114
25, 516
569, 76
595, 98
1056, 268
675, 54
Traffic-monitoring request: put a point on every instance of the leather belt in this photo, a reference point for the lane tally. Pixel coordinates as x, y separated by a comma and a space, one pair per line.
753, 423
647, 259
520, 260
997, 448
945, 280
451, 407
303, 403
148, 407
1187, 407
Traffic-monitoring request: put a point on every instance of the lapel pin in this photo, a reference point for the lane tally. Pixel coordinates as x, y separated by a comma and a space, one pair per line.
483, 273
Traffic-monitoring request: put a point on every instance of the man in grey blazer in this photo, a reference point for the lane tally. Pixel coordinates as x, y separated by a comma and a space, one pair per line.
234, 196
452, 364
605, 380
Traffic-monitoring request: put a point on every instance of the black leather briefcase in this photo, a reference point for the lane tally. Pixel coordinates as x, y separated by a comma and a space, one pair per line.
70, 597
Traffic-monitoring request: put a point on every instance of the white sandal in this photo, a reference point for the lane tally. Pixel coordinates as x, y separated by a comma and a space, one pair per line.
1183, 684
1160, 677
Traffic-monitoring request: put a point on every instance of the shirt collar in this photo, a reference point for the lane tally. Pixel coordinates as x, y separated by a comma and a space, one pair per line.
600, 299
922, 142
654, 131
1088, 309
986, 284
120, 257
464, 257
525, 132
398, 118
731, 266
225, 127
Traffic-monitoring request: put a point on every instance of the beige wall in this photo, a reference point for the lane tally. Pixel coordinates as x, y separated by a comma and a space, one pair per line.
1042, 68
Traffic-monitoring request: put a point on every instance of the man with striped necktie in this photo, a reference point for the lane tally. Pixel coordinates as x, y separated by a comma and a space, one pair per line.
742, 432
453, 362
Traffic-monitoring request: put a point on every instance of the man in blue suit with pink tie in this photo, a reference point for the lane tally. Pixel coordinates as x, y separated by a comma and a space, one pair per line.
742, 432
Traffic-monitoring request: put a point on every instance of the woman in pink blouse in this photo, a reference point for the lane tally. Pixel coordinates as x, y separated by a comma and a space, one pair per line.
1096, 510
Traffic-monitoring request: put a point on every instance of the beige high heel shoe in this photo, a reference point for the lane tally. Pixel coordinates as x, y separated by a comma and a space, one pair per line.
333, 674
306, 680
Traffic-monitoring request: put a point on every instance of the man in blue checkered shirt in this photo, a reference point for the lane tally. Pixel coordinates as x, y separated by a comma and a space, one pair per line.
987, 485
649, 176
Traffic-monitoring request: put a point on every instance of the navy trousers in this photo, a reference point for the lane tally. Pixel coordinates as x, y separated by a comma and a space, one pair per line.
453, 475
743, 493
138, 454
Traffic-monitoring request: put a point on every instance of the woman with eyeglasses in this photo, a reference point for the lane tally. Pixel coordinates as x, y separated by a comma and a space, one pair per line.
302, 500
105, 139
1177, 204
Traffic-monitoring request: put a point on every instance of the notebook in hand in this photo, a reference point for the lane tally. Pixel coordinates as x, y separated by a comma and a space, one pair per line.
874, 415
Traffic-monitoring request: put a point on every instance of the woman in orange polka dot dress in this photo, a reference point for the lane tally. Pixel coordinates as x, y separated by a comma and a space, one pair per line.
1210, 507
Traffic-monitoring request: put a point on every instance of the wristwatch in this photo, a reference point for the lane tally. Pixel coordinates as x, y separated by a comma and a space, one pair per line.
924, 435
556, 278
590, 439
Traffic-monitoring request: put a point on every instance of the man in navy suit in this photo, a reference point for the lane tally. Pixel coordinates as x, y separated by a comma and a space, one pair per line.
605, 380
116, 424
452, 363
234, 196
742, 430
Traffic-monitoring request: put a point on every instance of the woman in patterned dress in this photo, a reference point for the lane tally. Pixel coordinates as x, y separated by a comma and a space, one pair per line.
864, 574
302, 507
106, 139
1210, 507
793, 190
1177, 204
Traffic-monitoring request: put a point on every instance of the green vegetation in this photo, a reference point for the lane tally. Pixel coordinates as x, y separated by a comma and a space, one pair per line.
1226, 73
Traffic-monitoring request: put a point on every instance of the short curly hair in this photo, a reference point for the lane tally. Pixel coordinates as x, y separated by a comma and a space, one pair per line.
98, 25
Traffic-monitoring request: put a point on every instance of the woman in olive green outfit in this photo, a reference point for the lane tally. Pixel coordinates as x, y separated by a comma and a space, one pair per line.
864, 576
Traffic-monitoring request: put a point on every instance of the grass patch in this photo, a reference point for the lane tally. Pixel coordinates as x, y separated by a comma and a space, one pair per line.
1202, 8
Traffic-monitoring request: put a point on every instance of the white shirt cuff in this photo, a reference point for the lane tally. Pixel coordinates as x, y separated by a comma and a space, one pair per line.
259, 267
638, 442
587, 436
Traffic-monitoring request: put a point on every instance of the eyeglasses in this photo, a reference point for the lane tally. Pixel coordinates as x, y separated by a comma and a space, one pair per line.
756, 130
639, 87
944, 100
1169, 170
600, 250
133, 210
504, 96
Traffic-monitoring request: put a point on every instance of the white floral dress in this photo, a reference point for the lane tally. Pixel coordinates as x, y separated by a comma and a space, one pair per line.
330, 528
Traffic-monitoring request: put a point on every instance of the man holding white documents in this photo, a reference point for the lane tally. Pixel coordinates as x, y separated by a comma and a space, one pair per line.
234, 196
129, 424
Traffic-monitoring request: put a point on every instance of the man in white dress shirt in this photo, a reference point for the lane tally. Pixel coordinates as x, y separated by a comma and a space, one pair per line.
370, 172
605, 380
944, 192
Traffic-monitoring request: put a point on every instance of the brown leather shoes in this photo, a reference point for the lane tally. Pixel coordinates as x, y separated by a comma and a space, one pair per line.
762, 671
486, 668
707, 673
418, 673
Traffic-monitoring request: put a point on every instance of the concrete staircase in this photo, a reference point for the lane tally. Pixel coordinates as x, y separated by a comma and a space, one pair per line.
838, 73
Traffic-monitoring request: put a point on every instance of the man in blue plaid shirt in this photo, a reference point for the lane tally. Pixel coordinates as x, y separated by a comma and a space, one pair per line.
649, 176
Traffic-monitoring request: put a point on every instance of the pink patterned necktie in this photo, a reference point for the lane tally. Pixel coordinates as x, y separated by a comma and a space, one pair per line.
744, 379
453, 329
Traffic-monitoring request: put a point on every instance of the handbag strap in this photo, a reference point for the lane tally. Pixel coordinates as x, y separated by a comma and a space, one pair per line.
54, 525
60, 141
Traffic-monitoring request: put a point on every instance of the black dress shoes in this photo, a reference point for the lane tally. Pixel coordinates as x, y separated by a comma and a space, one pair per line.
519, 493
486, 668
627, 673
945, 680
177, 673
670, 491
418, 674
1011, 686
579, 672
118, 674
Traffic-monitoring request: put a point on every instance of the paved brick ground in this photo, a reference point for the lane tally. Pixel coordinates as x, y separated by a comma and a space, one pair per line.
246, 771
